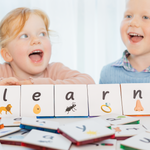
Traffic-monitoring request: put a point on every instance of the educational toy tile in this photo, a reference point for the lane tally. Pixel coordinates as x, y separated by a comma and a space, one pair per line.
136, 98
125, 131
87, 131
9, 101
14, 138
11, 121
140, 141
37, 100
71, 100
104, 99
8, 130
46, 140
115, 119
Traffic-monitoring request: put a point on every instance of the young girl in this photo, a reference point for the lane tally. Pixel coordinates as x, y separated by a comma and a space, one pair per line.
26, 47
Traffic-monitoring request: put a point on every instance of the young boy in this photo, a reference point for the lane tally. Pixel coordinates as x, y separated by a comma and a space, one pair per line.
134, 66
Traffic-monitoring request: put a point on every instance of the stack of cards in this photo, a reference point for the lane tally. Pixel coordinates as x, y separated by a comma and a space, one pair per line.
15, 138
115, 119
45, 140
123, 132
138, 142
85, 132
39, 124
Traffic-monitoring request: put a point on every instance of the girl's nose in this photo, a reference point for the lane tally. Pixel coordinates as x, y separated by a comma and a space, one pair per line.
35, 41
134, 22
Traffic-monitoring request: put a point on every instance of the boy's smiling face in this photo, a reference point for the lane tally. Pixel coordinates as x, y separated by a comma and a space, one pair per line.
31, 49
135, 27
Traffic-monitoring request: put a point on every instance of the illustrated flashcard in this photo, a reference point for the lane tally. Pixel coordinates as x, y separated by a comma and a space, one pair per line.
39, 124
8, 130
46, 140
123, 132
84, 132
115, 119
14, 138
136, 98
100, 121
109, 144
11, 121
104, 99
71, 100
138, 142
9, 101
37, 100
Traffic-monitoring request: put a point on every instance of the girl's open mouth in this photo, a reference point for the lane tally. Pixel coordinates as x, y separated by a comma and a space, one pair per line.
135, 38
36, 55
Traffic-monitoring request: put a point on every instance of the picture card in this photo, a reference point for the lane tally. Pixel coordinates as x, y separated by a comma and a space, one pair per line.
104, 99
123, 132
140, 141
9, 101
115, 119
39, 124
71, 100
8, 130
109, 144
37, 100
11, 121
46, 140
84, 132
14, 138
135, 98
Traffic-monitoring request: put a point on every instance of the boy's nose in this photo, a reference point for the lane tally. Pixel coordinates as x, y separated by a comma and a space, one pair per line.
35, 41
134, 23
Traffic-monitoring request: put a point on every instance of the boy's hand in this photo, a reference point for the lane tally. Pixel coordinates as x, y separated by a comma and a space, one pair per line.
9, 81
25, 82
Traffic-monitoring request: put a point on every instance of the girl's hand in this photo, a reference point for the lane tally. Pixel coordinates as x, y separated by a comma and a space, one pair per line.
9, 81
25, 82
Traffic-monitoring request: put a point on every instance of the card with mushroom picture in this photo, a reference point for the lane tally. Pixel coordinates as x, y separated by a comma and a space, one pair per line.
37, 101
136, 98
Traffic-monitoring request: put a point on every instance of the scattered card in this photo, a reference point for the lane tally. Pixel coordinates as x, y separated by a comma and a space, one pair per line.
14, 138
84, 132
115, 119
140, 141
45, 140
39, 124
11, 121
8, 130
123, 132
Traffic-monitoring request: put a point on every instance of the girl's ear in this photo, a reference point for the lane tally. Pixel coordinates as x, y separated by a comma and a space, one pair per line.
6, 55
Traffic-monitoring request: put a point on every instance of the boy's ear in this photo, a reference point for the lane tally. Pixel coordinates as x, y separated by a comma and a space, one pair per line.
6, 55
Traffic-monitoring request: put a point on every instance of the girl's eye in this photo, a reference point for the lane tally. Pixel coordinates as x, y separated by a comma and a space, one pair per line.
145, 17
23, 36
42, 34
128, 16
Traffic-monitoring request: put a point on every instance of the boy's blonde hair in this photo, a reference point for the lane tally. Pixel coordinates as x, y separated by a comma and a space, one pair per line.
14, 21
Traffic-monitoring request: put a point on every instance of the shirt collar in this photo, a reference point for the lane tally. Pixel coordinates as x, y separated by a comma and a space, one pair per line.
124, 62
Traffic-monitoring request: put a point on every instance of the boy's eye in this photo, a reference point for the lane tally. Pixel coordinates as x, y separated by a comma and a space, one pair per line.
42, 34
128, 16
145, 17
23, 36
